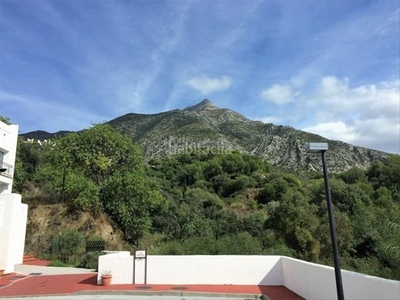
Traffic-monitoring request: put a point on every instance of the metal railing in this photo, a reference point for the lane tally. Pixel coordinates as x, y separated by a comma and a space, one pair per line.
7, 170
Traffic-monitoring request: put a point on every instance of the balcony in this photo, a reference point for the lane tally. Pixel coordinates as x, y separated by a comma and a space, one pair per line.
8, 170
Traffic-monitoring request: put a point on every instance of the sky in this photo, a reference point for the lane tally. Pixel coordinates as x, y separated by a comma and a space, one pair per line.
326, 67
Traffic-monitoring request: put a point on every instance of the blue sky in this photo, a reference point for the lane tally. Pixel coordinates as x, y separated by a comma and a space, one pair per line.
328, 67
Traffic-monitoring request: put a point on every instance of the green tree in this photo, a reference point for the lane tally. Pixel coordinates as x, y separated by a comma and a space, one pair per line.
212, 168
28, 159
239, 183
126, 197
267, 194
238, 244
393, 174
376, 174
5, 120
232, 163
382, 197
100, 169
354, 175
388, 243
295, 220
71, 241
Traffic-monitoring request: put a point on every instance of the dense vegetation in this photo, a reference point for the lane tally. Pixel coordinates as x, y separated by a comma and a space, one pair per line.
205, 203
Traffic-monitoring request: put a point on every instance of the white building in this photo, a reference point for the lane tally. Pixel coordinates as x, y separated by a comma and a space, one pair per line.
8, 149
13, 213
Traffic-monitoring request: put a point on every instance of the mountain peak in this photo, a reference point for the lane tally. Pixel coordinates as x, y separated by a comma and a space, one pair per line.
205, 104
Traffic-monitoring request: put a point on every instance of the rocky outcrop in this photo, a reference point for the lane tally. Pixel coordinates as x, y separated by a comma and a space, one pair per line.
206, 127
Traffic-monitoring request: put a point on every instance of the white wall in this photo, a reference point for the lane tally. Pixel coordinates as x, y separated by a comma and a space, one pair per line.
19, 240
120, 264
218, 269
196, 269
313, 281
13, 216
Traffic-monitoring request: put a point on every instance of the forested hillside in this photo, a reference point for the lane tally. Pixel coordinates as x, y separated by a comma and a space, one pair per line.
200, 202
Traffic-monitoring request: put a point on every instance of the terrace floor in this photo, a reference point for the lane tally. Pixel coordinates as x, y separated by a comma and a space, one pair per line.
34, 282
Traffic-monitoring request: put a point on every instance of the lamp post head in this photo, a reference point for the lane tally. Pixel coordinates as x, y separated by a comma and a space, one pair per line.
2, 170
316, 147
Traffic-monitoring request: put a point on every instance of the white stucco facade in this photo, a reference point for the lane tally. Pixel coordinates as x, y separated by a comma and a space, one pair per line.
13, 213
8, 151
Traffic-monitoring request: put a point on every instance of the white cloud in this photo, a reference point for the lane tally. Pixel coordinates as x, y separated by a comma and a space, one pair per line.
297, 81
278, 93
333, 86
362, 115
270, 119
363, 102
334, 131
379, 133
207, 85
365, 115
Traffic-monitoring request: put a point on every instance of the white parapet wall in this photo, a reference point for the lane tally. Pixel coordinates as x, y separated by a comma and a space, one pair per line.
119, 264
313, 281
13, 217
194, 269
309, 280
217, 269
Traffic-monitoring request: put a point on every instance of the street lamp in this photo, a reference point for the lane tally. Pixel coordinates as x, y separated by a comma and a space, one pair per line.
2, 170
322, 148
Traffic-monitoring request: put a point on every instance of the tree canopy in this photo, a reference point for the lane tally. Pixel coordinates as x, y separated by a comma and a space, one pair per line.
205, 203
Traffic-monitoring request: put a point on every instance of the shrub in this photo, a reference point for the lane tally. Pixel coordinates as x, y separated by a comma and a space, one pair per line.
71, 242
90, 260
172, 248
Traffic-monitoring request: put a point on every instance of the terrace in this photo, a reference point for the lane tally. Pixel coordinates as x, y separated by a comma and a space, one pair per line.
308, 280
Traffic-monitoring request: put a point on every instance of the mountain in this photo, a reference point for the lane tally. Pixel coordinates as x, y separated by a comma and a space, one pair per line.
43, 135
206, 127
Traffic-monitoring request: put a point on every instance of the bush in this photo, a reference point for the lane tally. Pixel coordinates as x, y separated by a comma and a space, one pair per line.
71, 242
172, 248
280, 249
90, 260
238, 244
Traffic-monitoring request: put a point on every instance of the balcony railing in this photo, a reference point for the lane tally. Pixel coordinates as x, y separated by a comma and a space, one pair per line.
7, 170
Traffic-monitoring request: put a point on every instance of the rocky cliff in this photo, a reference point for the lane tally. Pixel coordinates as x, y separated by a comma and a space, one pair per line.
206, 127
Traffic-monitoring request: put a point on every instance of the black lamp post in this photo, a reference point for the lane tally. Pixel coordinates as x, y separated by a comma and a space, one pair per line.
2, 170
322, 148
